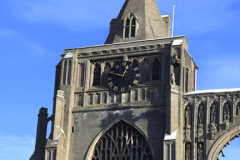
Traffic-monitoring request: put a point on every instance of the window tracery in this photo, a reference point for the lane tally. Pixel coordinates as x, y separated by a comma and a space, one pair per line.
145, 70
122, 142
69, 71
130, 27
156, 70
81, 69
97, 75
64, 72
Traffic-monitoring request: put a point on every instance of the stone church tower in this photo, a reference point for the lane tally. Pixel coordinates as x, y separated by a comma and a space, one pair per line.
134, 98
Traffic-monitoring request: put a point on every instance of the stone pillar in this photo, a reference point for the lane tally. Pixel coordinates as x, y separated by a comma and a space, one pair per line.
172, 102
41, 126
87, 75
59, 113
169, 146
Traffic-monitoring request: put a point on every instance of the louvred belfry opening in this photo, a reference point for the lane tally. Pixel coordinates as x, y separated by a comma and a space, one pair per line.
122, 142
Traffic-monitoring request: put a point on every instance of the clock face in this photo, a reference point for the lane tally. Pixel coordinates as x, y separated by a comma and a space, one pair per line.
123, 76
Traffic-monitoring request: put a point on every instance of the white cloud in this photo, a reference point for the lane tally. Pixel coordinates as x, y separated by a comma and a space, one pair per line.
15, 147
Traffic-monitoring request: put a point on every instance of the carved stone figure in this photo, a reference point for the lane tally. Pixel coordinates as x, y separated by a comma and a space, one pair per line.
226, 114
214, 114
188, 117
173, 79
200, 152
188, 135
201, 115
188, 152
213, 131
238, 110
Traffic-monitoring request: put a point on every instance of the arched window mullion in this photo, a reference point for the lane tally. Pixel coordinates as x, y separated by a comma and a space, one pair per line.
97, 75
133, 27
123, 145
127, 28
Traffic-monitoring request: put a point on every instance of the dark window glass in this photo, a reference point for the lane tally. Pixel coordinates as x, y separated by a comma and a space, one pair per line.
155, 70
97, 75
127, 28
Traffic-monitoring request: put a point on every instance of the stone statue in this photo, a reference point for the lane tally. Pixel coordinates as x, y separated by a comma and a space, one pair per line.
214, 114
226, 114
188, 152
201, 115
238, 110
173, 79
200, 152
188, 117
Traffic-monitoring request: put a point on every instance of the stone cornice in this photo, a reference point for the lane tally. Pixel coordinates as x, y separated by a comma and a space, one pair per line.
123, 48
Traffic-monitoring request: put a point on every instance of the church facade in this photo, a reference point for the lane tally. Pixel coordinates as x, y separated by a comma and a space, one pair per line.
134, 98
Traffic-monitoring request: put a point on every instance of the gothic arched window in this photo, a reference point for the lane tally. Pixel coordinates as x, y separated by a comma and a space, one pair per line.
145, 70
81, 69
133, 27
69, 71
64, 72
130, 26
127, 26
122, 142
97, 75
156, 70
106, 70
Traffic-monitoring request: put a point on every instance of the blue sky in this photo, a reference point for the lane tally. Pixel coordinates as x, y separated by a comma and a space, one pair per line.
33, 34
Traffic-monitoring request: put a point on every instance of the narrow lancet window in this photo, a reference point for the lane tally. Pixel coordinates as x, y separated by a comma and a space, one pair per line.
127, 25
156, 70
64, 72
69, 72
133, 27
97, 75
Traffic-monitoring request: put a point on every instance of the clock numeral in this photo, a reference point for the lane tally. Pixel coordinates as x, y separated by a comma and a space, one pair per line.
115, 88
135, 68
124, 63
135, 81
137, 75
110, 84
126, 67
131, 64
129, 86
109, 78
122, 89
117, 66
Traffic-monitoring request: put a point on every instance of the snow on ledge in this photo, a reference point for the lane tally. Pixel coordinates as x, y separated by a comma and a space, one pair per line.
165, 15
177, 42
68, 55
213, 91
171, 137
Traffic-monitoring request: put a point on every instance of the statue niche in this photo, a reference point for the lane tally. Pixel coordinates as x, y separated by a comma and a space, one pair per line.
122, 142
201, 123
188, 151
226, 115
213, 120
200, 152
188, 119
238, 109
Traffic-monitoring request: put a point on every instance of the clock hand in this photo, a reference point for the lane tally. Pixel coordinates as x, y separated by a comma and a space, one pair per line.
126, 68
116, 74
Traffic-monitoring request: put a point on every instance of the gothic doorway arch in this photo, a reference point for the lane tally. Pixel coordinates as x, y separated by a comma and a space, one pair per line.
222, 141
121, 141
